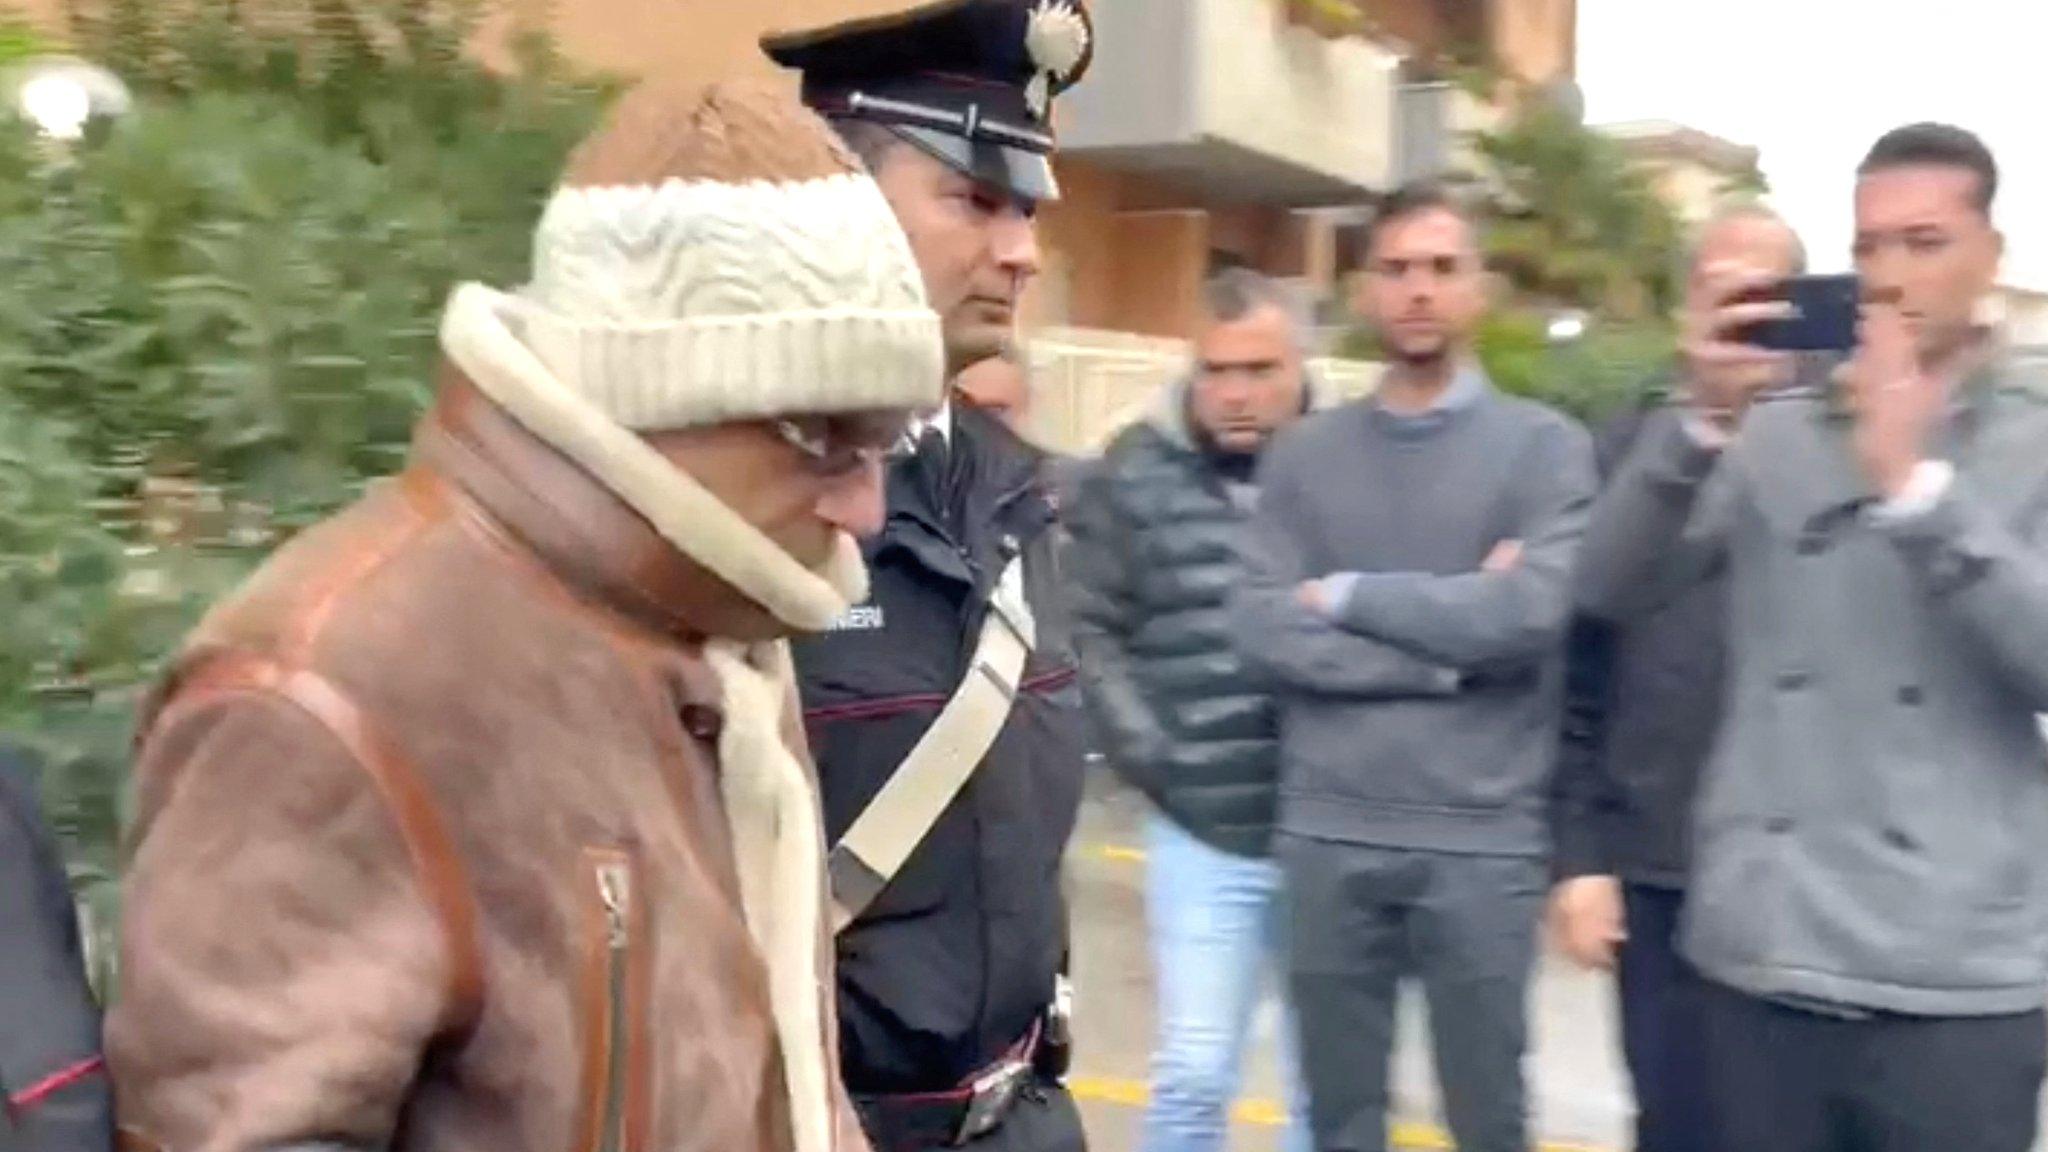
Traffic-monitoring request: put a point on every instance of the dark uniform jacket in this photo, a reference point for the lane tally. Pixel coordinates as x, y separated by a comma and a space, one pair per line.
956, 960
1642, 704
51, 1075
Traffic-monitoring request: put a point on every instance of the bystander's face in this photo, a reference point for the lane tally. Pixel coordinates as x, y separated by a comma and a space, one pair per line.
1922, 240
1425, 286
1248, 379
1760, 242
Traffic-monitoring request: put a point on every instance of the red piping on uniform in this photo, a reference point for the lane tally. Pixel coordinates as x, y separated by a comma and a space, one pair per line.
964, 80
897, 705
1052, 681
49, 1086
871, 709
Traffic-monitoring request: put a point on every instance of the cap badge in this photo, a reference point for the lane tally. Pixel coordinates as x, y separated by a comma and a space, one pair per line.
1057, 40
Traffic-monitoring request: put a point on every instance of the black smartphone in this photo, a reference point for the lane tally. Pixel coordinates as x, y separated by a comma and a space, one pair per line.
1823, 319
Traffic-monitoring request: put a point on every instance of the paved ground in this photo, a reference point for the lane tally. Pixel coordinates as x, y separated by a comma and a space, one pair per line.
1580, 1098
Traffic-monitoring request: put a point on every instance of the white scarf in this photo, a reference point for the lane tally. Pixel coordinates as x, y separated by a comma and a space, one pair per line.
770, 798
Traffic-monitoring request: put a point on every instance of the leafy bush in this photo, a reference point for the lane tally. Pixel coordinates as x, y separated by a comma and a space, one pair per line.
17, 40
217, 324
1575, 221
1607, 369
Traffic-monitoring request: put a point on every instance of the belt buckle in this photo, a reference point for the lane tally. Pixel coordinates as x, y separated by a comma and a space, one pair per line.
990, 1099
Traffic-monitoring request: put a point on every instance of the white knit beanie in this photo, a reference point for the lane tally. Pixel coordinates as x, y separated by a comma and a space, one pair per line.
714, 254
710, 257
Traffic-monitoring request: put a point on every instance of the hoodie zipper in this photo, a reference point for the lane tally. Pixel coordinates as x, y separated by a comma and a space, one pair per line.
615, 890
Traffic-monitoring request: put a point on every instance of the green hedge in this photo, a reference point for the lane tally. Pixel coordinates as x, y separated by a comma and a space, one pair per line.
236, 287
1603, 371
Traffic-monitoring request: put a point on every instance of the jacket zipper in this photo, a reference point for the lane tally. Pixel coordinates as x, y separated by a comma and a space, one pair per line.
615, 889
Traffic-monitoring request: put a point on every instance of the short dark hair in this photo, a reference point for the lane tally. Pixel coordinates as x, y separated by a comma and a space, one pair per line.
1234, 293
1413, 199
868, 140
1936, 145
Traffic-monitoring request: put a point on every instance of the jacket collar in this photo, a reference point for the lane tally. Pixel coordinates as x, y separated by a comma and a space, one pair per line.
1003, 461
532, 497
989, 479
480, 335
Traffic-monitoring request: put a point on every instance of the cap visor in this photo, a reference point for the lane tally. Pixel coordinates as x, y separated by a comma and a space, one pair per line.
1025, 174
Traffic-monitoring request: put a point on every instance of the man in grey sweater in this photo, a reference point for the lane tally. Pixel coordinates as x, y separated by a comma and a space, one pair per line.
1406, 593
1869, 899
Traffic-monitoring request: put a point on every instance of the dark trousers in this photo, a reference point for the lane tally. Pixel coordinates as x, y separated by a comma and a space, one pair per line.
1787, 1080
1044, 1120
1662, 1029
1360, 919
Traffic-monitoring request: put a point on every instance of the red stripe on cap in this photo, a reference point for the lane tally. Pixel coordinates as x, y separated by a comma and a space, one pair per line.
49, 1086
968, 81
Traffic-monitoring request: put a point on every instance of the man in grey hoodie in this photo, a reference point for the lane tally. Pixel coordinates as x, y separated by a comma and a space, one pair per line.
1406, 593
1158, 530
1868, 900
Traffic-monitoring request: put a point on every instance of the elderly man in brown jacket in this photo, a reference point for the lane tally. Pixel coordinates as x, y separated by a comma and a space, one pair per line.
478, 820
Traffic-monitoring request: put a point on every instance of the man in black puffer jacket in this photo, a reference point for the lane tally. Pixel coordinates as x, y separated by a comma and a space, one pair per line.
1155, 532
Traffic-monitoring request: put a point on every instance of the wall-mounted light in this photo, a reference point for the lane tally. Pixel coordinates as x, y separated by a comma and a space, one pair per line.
60, 95
1566, 327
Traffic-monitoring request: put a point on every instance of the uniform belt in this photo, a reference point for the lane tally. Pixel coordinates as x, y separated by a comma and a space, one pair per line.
902, 1123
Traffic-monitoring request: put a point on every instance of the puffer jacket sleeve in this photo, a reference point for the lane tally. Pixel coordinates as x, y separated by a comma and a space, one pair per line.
1101, 588
57, 1098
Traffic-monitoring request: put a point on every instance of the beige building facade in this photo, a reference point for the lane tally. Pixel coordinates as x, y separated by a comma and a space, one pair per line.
1693, 170
1209, 131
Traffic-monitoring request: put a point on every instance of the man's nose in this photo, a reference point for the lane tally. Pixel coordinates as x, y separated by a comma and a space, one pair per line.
1016, 244
1882, 272
856, 503
1236, 391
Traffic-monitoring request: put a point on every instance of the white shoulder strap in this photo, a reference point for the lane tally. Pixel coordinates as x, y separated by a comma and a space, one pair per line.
897, 820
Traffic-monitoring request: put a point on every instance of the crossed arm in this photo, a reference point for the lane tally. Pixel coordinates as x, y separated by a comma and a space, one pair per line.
1416, 633
1411, 633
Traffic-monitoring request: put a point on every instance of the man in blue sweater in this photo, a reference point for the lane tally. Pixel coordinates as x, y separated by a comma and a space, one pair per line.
1406, 594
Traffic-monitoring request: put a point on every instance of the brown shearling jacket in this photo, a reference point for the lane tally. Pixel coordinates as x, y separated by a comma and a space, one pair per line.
430, 852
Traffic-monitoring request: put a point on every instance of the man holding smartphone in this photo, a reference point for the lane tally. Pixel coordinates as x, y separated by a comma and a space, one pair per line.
1867, 900
1642, 706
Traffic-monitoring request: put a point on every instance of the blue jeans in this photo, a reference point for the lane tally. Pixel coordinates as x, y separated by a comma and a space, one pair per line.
1217, 931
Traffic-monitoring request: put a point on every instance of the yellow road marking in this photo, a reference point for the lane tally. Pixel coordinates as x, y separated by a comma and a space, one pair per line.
1255, 1112
1269, 1114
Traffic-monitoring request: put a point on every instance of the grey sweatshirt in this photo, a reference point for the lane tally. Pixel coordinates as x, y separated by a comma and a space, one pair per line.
1423, 714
